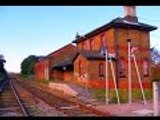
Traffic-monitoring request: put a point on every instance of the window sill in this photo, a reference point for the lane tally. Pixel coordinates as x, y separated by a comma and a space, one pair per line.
101, 75
122, 76
146, 75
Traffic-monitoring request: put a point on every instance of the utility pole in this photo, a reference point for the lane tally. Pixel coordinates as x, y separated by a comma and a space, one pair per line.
129, 72
107, 86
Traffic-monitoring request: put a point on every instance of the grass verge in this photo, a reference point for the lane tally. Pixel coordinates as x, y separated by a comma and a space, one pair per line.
123, 94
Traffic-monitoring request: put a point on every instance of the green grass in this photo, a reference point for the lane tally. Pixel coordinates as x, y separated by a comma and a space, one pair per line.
136, 95
24, 76
31, 78
43, 81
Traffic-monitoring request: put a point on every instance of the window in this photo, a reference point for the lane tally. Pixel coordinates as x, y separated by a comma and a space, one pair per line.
80, 68
101, 69
122, 68
83, 46
91, 44
145, 67
103, 40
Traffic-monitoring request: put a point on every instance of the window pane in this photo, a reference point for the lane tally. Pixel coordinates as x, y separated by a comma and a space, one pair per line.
103, 40
101, 69
145, 67
122, 70
91, 44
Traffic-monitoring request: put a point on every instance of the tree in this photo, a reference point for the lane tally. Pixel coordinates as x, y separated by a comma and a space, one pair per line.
155, 55
3, 72
27, 65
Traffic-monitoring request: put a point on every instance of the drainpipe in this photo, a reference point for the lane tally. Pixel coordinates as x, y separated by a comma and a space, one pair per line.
117, 56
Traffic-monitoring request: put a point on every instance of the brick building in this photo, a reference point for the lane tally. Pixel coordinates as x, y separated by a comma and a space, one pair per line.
57, 65
88, 59
41, 69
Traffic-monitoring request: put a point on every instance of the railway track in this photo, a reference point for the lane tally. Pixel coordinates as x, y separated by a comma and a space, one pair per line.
68, 107
10, 104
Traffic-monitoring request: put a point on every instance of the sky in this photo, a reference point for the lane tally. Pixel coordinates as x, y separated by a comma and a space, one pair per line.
40, 30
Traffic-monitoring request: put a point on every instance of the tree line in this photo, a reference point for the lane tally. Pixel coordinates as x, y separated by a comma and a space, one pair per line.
27, 65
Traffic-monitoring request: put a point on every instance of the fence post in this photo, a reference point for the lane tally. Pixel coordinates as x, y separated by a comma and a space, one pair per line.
156, 98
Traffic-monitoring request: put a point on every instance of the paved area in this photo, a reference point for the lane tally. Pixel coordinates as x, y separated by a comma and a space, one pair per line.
125, 109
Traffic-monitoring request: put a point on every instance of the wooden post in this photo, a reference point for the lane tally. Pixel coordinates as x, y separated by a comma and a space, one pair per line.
114, 80
139, 79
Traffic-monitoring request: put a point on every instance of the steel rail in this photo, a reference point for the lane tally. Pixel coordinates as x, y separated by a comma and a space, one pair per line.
82, 106
18, 100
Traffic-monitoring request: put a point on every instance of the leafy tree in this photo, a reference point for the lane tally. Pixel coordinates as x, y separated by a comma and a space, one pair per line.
27, 65
155, 55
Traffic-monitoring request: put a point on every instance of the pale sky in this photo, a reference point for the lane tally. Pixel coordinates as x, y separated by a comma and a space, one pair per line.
40, 30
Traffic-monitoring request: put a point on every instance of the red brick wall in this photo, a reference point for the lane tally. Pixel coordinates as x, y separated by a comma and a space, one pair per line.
59, 55
119, 37
85, 64
68, 75
40, 69
122, 84
58, 75
139, 39
109, 35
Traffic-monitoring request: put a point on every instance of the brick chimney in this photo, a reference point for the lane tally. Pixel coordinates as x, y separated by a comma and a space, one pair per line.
130, 13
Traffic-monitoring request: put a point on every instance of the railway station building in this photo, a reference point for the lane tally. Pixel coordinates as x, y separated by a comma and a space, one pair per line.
86, 59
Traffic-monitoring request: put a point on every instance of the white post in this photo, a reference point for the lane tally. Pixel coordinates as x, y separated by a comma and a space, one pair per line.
86, 80
156, 99
47, 73
107, 89
139, 79
115, 85
129, 72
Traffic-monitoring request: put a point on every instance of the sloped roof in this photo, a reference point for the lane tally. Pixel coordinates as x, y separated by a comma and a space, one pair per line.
62, 64
69, 44
94, 55
120, 23
66, 62
91, 54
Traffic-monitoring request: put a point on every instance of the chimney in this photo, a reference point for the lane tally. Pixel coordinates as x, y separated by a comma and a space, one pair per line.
77, 35
130, 13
